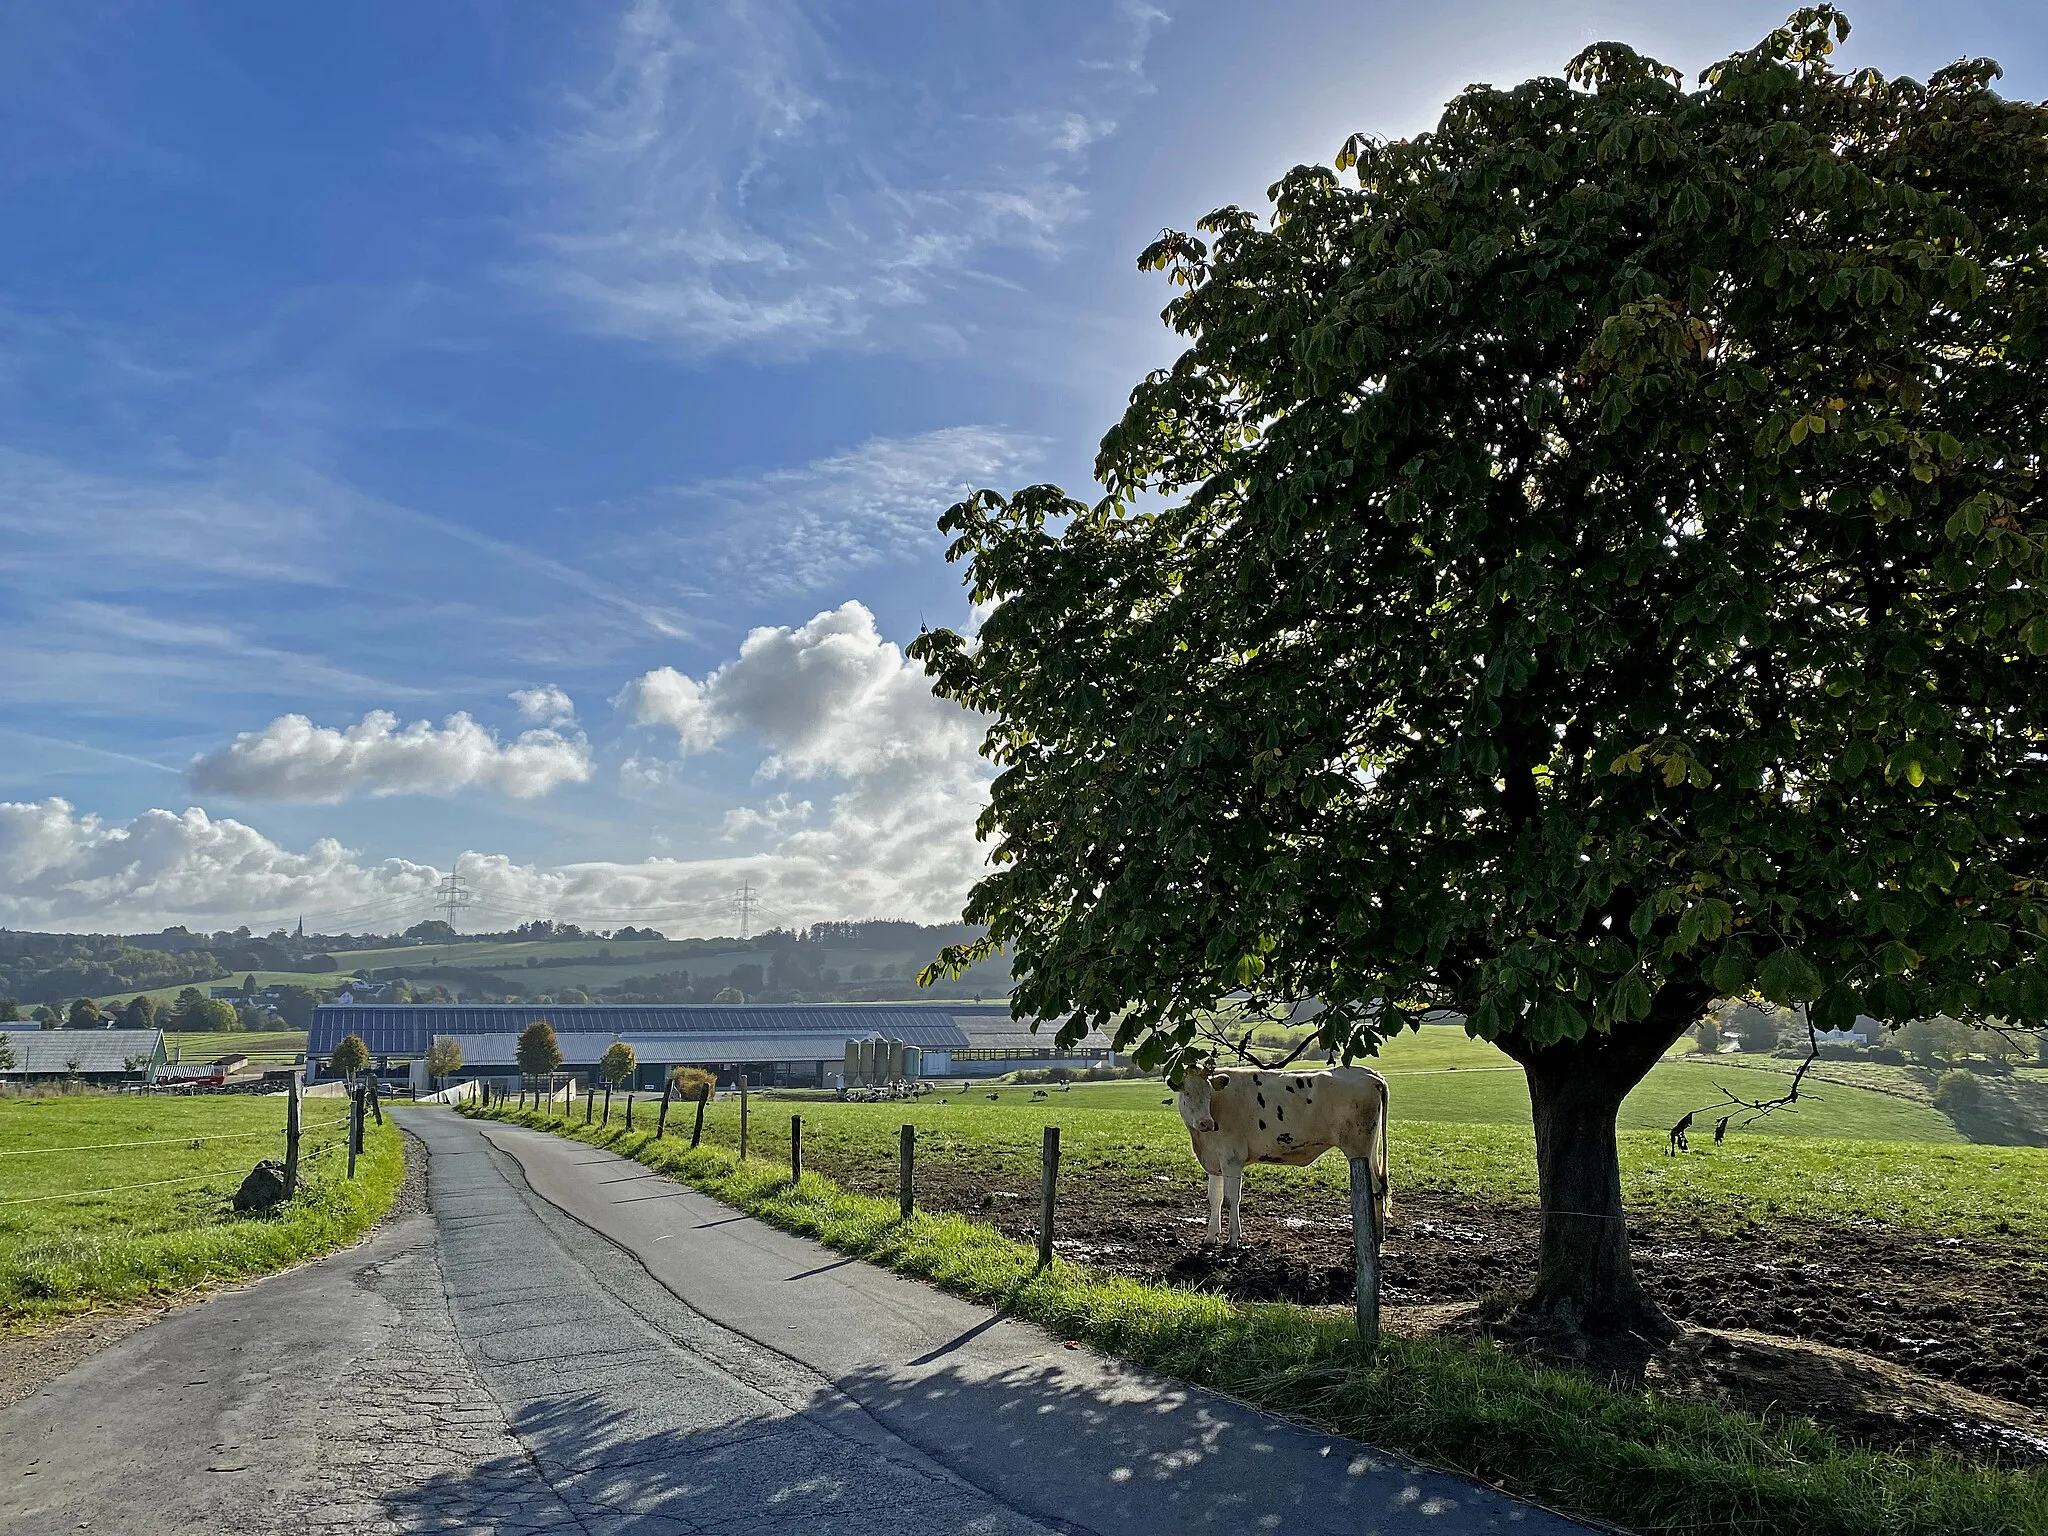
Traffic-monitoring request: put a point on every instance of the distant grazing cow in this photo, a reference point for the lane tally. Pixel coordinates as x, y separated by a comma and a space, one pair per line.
1247, 1115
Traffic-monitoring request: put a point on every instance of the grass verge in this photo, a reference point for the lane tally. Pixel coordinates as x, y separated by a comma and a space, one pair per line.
110, 1200
1549, 1435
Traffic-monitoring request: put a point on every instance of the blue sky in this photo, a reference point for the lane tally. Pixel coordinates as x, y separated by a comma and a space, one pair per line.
364, 367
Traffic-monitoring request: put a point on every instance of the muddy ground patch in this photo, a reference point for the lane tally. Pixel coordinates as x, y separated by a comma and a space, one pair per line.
1924, 1312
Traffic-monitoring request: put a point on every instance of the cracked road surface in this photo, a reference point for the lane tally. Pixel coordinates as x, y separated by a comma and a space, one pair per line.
570, 1344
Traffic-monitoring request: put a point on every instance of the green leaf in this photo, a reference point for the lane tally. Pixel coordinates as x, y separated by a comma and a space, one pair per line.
1729, 974
1788, 977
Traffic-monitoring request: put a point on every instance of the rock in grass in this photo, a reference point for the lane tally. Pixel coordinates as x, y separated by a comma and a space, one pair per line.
263, 1188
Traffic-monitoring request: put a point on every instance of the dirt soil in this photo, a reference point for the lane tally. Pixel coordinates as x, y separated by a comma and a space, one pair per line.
1890, 1337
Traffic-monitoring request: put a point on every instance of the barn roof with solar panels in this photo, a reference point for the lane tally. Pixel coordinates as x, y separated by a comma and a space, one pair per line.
737, 1033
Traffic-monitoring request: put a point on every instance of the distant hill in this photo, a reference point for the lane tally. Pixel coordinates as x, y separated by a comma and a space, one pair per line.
872, 961
829, 962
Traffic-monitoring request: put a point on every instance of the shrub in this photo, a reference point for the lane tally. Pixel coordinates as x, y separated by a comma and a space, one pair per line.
692, 1082
1959, 1093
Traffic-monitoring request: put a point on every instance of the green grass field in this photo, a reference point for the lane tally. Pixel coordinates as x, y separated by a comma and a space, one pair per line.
1852, 1155
107, 1199
1560, 1437
163, 996
1441, 1074
259, 1045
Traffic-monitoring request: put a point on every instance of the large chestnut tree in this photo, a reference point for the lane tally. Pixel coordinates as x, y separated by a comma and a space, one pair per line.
1588, 561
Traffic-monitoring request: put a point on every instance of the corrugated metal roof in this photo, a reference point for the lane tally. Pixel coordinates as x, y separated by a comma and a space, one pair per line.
581, 1051
405, 1029
992, 1029
58, 1052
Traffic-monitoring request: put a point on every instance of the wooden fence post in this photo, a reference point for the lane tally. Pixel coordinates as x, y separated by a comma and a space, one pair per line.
355, 1128
743, 1117
629, 1111
1365, 1243
796, 1149
697, 1131
376, 1100
1048, 1188
668, 1088
607, 1120
291, 1138
906, 1162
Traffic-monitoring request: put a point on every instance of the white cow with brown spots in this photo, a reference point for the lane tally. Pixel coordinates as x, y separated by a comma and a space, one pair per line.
1246, 1115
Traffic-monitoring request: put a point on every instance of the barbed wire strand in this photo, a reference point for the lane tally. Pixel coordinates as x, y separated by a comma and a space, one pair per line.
167, 1141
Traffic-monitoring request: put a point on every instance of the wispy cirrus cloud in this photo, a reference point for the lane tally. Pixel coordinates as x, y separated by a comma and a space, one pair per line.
811, 526
740, 175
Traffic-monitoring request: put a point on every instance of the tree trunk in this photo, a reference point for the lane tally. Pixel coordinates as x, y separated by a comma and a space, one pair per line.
1586, 1285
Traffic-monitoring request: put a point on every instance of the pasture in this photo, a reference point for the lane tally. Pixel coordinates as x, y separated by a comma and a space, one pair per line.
163, 997
1662, 1454
1440, 1074
263, 1047
111, 1199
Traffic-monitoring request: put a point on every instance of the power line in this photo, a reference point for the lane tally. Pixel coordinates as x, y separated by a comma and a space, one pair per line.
452, 893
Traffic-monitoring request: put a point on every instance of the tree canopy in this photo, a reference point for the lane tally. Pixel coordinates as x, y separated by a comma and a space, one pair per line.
617, 1063
539, 1053
1590, 561
444, 1056
350, 1056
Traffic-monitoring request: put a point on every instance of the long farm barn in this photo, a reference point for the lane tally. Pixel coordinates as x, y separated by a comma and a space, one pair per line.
788, 1044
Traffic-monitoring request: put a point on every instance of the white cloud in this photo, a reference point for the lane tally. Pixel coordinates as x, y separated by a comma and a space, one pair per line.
60, 868
829, 697
832, 699
777, 816
294, 759
666, 697
736, 175
545, 705
65, 870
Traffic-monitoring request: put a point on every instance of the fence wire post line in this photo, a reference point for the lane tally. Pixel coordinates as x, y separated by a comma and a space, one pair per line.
1048, 1192
1365, 1247
292, 1131
115, 1189
906, 1164
155, 1141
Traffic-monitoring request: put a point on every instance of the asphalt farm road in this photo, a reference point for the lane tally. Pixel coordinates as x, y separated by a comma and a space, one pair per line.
564, 1342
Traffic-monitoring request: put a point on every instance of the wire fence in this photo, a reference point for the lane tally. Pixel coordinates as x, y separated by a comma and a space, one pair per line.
313, 1141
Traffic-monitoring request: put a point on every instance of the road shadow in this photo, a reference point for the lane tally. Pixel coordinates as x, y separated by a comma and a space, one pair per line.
1029, 1448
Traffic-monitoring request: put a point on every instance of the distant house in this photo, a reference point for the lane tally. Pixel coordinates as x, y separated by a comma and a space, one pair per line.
83, 1055
1866, 1031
